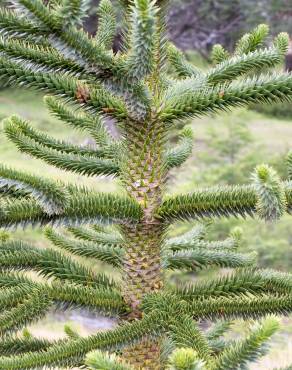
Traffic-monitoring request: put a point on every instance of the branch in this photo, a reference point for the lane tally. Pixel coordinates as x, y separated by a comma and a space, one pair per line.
27, 53
219, 54
238, 65
61, 146
179, 154
199, 259
83, 164
244, 306
248, 349
178, 61
13, 296
83, 208
50, 195
195, 235
99, 360
216, 202
196, 101
97, 99
242, 281
98, 237
251, 41
14, 26
185, 334
49, 263
14, 344
36, 305
72, 12
64, 353
183, 242
106, 300
139, 62
107, 26
84, 121
105, 253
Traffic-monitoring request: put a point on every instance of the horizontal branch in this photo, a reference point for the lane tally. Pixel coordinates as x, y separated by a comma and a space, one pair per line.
238, 65
239, 282
83, 164
16, 344
222, 201
105, 253
195, 235
197, 100
80, 121
49, 263
244, 306
18, 27
110, 237
12, 296
47, 57
98, 99
194, 240
100, 298
105, 300
36, 305
61, 146
200, 258
82, 208
49, 194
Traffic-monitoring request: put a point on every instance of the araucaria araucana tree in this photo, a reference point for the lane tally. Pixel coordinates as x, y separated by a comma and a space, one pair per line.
144, 88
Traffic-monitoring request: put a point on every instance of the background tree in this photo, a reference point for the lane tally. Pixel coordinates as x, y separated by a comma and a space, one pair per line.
45, 48
198, 24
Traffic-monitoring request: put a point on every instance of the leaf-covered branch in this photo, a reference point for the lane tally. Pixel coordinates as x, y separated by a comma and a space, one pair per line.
272, 88
216, 202
83, 207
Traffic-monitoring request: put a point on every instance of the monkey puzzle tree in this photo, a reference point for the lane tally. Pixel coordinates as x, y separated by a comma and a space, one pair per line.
43, 47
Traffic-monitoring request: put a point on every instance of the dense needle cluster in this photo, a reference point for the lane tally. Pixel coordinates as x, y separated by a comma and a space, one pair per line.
145, 88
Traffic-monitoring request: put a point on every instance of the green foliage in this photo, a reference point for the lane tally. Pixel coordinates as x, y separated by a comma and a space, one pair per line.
185, 359
178, 155
185, 334
103, 361
141, 55
47, 50
73, 11
271, 201
219, 54
103, 252
250, 41
249, 348
107, 24
50, 195
178, 61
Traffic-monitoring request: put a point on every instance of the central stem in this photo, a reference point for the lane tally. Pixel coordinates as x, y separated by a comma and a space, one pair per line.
142, 264
143, 177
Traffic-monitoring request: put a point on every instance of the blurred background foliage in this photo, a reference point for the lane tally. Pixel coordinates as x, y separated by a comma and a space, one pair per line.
227, 148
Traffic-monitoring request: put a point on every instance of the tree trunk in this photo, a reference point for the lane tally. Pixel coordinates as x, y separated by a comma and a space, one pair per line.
142, 261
